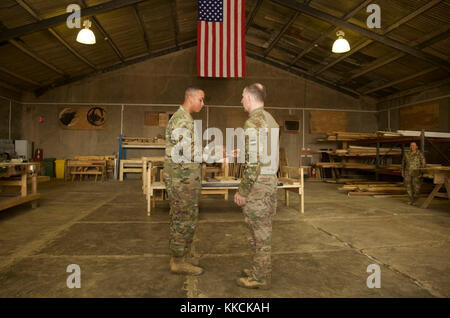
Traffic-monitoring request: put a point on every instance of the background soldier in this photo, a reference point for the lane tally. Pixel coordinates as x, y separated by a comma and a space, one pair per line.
257, 193
183, 184
412, 162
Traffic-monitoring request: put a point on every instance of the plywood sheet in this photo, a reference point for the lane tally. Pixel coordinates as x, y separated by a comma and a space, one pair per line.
151, 118
420, 116
322, 121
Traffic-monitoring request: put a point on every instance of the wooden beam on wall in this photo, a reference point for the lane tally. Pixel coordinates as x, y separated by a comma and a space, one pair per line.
364, 32
60, 19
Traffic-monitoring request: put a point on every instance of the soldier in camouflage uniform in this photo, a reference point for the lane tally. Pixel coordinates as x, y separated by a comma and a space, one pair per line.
257, 192
182, 177
412, 162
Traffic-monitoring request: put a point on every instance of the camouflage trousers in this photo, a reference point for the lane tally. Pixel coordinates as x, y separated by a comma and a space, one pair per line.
412, 184
183, 185
260, 207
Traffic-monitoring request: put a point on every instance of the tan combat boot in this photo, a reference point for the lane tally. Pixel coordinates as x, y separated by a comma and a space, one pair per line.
178, 265
250, 282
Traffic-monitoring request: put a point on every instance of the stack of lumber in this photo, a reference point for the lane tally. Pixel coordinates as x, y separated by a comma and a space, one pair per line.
348, 136
366, 151
374, 188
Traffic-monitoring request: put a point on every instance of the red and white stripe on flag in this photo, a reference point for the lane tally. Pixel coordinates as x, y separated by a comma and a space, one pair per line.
221, 45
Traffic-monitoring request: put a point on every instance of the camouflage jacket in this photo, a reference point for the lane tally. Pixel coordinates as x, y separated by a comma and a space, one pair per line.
411, 162
181, 119
258, 119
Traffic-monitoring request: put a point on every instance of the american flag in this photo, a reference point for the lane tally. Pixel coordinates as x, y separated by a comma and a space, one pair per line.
221, 38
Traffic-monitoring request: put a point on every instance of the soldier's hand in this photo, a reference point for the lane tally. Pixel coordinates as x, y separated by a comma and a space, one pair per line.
239, 199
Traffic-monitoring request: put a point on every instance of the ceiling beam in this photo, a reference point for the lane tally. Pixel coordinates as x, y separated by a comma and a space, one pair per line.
61, 19
403, 79
414, 90
37, 58
10, 87
420, 43
252, 15
33, 13
173, 12
364, 32
41, 90
383, 33
104, 33
137, 13
299, 72
20, 77
281, 33
331, 29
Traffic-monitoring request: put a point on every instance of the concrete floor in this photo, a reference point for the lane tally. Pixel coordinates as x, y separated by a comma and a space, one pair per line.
103, 227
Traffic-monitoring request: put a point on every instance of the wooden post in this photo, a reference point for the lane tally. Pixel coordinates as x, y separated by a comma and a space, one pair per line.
148, 190
121, 171
23, 191
34, 188
144, 174
302, 204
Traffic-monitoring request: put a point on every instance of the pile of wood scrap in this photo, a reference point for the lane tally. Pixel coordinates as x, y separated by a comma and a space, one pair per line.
159, 140
374, 188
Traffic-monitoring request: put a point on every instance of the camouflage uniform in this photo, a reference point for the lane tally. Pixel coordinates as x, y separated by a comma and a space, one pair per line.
260, 191
183, 185
410, 164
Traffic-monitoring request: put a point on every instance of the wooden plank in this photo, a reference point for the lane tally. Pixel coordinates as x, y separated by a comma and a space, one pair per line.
9, 203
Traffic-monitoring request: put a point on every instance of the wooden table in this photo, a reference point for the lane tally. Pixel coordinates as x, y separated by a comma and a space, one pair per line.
9, 171
229, 184
441, 177
86, 168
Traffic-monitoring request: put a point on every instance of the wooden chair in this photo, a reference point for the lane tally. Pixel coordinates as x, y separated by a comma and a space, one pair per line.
289, 175
130, 166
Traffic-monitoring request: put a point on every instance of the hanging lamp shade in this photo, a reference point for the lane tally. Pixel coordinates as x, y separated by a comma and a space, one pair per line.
86, 36
341, 45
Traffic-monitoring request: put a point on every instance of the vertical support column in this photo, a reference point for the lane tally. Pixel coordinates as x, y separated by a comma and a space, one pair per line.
377, 163
302, 189
10, 116
422, 142
34, 188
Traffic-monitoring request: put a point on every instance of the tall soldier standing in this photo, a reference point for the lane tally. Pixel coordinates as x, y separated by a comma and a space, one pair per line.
412, 162
182, 177
257, 192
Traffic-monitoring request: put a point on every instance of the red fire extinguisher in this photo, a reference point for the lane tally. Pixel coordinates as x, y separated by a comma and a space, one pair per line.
313, 172
38, 154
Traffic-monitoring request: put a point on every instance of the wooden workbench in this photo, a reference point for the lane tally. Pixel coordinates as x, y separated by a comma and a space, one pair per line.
228, 184
16, 174
441, 177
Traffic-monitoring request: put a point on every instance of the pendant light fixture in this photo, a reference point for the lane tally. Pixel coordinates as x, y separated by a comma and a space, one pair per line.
341, 45
86, 36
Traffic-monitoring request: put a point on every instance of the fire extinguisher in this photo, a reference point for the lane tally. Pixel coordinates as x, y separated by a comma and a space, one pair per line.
313, 172
38, 154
